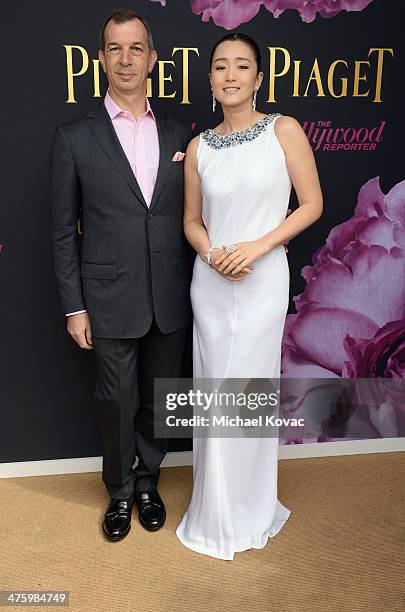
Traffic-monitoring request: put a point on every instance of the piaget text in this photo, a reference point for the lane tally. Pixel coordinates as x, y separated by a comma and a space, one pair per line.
356, 78
81, 62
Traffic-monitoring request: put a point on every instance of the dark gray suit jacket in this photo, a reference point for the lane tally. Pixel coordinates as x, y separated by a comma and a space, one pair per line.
131, 262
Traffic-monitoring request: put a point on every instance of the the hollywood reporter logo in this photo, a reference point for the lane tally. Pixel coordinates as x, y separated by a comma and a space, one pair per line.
323, 136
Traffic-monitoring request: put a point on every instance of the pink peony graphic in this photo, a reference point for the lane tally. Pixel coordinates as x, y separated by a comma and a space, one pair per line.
383, 355
350, 321
229, 14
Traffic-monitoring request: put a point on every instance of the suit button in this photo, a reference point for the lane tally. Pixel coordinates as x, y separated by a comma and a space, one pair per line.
150, 216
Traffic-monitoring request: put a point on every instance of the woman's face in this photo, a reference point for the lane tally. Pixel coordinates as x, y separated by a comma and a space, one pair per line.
233, 73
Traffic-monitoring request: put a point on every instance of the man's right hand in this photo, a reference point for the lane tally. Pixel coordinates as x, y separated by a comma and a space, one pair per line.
79, 328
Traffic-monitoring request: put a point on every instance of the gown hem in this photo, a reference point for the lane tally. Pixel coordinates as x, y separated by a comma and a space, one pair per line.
252, 543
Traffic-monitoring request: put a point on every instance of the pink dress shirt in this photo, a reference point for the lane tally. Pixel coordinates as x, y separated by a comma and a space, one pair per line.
140, 142
139, 139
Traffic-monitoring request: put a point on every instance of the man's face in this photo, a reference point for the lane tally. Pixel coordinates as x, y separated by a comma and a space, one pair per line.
126, 58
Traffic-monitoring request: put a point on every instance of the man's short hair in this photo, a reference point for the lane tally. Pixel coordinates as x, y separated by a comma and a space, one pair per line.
122, 16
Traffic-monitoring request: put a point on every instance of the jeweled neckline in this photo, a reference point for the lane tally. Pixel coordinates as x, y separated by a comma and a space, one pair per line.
238, 131
221, 141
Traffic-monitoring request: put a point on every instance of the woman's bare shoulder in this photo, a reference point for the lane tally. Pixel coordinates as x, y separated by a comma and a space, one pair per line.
287, 125
290, 133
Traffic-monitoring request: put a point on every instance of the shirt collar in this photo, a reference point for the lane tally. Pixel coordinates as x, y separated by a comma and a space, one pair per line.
114, 110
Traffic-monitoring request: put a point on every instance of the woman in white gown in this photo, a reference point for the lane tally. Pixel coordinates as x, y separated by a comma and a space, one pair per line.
238, 180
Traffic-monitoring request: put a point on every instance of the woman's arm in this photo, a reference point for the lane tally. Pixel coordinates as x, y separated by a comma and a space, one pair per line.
301, 167
302, 170
194, 228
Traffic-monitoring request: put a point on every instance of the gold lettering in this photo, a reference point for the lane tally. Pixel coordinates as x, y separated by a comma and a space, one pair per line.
272, 69
380, 62
331, 74
336, 74
69, 68
185, 51
163, 78
359, 77
315, 76
96, 73
149, 87
296, 91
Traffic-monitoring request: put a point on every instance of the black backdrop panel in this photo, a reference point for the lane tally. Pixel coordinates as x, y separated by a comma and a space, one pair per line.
47, 382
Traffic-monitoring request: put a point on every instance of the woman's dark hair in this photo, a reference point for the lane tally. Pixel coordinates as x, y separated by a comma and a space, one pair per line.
243, 38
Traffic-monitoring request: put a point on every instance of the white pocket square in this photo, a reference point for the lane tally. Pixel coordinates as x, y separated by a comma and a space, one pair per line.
179, 156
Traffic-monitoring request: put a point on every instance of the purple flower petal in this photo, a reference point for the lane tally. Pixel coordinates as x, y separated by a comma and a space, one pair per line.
309, 8
319, 333
373, 285
395, 204
230, 14
382, 355
298, 365
370, 202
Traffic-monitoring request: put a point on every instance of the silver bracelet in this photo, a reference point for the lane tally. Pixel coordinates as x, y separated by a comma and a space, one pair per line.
207, 256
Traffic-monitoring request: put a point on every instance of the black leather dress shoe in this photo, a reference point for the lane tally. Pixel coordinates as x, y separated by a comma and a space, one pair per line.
152, 512
117, 519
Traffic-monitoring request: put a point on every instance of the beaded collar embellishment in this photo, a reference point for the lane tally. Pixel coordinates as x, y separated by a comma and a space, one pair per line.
218, 141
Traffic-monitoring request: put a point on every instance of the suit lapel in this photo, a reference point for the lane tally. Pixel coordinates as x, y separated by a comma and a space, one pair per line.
165, 156
105, 135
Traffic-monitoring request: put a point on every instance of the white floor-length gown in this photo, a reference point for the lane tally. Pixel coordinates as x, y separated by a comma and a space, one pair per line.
238, 328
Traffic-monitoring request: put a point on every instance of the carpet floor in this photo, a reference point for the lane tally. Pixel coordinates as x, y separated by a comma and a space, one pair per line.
343, 548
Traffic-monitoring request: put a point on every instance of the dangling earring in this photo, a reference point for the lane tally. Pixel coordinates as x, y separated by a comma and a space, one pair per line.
254, 98
214, 102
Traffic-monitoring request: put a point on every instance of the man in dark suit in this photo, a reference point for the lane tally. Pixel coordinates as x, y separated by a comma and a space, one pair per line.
125, 291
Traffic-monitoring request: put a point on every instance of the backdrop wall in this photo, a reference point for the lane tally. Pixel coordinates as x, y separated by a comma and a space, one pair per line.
339, 73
